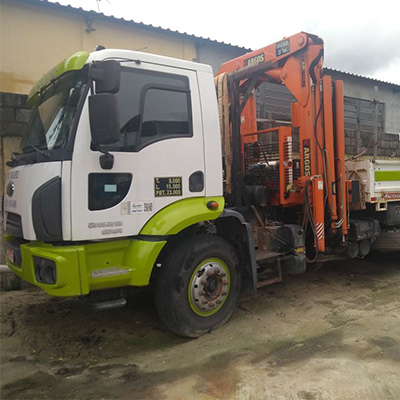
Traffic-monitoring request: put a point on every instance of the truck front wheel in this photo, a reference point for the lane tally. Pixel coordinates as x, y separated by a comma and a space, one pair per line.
198, 285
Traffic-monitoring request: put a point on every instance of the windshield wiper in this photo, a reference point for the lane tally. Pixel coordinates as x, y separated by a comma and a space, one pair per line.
19, 159
15, 157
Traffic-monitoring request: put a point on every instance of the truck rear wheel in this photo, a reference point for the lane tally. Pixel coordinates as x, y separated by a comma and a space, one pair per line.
198, 286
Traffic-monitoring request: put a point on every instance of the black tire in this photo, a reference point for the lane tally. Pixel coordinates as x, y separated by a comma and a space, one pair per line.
177, 306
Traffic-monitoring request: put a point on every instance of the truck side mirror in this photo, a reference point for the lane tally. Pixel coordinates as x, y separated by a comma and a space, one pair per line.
104, 118
107, 75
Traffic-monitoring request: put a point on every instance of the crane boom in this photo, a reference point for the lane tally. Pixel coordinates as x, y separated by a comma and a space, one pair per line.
297, 63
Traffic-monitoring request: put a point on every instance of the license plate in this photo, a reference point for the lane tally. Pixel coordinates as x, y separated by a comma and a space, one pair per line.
10, 255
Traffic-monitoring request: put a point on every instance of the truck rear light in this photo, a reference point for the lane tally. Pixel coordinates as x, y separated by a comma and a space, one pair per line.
45, 270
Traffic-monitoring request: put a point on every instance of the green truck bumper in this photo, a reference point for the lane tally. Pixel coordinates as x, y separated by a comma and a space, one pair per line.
75, 270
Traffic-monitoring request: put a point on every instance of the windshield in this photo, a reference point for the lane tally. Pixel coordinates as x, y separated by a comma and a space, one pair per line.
51, 122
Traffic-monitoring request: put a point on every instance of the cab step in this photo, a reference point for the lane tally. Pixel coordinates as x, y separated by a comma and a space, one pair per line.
271, 274
264, 256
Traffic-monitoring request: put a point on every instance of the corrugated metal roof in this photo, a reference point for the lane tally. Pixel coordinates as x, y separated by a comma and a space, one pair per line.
361, 76
58, 6
61, 7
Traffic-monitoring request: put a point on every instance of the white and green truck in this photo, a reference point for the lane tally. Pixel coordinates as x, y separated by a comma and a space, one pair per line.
119, 183
81, 216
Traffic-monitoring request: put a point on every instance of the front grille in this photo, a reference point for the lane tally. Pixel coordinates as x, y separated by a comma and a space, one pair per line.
14, 225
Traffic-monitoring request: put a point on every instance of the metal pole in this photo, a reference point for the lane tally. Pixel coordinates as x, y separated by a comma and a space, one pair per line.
375, 116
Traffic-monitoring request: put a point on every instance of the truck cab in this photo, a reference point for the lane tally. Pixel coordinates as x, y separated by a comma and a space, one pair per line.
75, 209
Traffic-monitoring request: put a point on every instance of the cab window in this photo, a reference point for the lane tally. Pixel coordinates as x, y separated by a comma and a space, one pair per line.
153, 106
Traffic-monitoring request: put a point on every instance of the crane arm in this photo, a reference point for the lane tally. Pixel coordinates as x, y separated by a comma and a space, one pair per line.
296, 62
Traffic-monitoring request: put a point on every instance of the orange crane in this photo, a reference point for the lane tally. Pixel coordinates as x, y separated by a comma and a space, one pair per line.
315, 180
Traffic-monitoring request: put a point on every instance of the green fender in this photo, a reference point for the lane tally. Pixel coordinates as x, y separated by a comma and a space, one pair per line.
182, 214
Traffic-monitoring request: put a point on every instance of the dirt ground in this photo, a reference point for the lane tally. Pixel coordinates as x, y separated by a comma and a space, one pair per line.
333, 333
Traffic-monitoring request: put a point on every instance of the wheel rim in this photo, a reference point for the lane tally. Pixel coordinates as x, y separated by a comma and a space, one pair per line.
209, 287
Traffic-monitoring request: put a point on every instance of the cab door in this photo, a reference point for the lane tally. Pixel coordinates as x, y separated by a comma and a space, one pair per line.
158, 161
